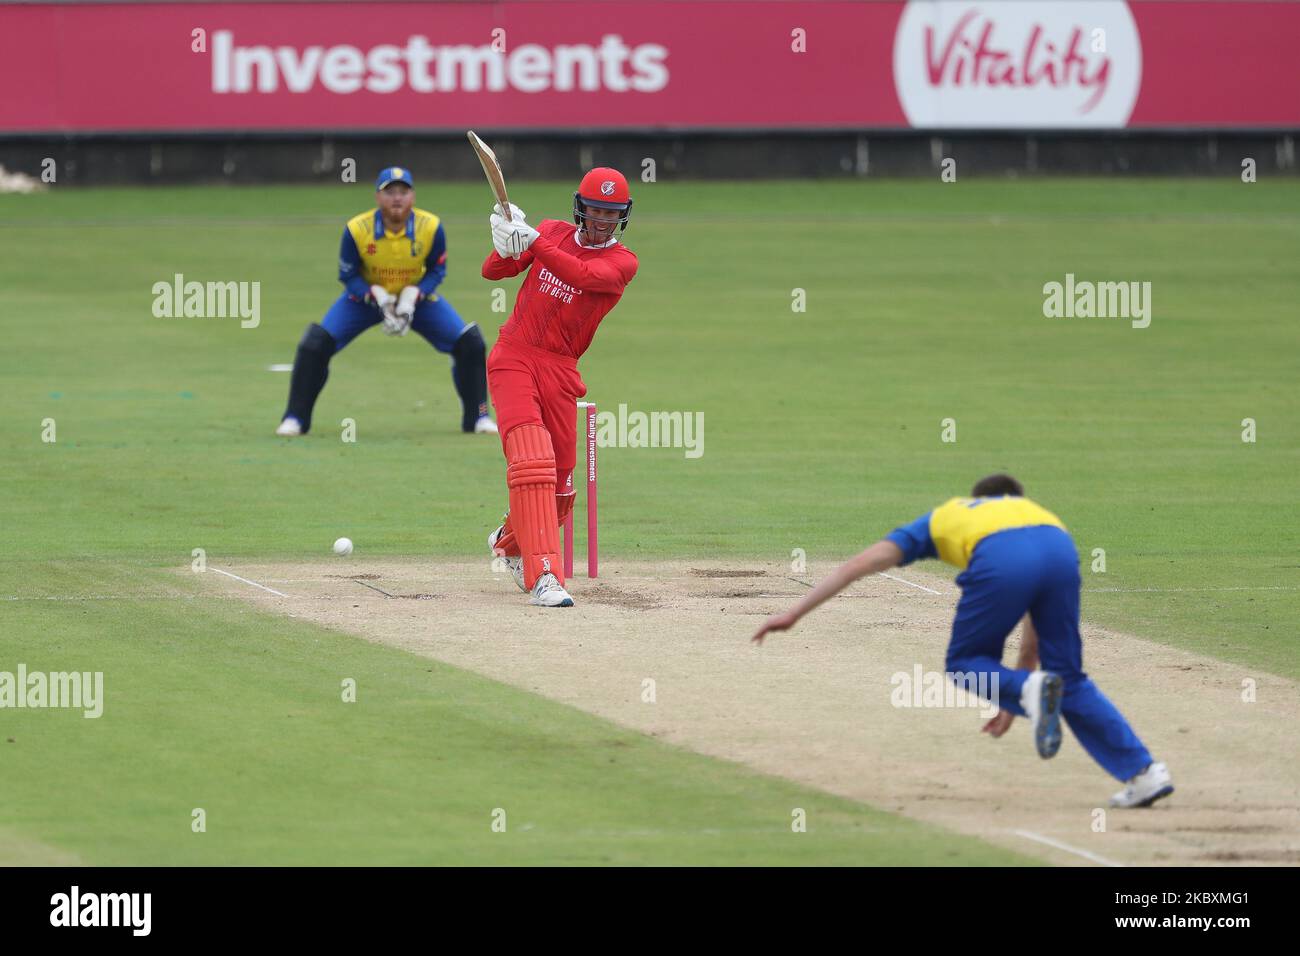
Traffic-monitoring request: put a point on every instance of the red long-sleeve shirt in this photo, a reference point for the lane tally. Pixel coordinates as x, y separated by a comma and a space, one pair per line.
568, 290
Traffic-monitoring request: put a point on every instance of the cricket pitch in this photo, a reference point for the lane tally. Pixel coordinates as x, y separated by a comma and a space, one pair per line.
663, 648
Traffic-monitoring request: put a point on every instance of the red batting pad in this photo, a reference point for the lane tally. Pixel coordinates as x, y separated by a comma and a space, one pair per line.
530, 473
509, 541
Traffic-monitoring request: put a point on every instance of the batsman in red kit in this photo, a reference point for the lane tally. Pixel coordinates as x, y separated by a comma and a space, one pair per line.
576, 273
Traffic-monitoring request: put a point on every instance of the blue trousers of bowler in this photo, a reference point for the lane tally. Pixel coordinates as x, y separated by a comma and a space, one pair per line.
1036, 570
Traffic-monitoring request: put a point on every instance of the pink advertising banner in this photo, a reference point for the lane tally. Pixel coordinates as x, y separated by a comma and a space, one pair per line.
926, 64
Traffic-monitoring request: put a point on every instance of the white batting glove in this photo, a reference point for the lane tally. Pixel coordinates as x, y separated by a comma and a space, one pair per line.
498, 222
516, 214
382, 297
513, 238
523, 238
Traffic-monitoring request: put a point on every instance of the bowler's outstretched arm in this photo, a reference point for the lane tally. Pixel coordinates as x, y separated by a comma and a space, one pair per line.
881, 556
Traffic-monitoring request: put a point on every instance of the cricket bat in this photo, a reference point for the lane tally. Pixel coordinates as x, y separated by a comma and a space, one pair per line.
492, 170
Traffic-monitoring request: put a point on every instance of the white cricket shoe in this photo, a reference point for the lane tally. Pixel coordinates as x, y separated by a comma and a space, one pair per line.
549, 592
1146, 788
1041, 699
486, 426
289, 428
515, 564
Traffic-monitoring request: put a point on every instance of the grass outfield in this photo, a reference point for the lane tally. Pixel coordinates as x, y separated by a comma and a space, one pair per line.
209, 706
822, 432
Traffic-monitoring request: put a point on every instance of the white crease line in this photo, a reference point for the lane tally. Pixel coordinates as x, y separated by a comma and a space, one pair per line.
246, 581
1262, 587
922, 587
1066, 847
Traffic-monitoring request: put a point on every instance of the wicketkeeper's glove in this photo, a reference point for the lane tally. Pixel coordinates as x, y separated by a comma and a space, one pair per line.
387, 303
403, 312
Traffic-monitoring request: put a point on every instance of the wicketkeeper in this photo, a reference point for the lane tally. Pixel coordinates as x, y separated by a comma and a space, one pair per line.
1018, 561
576, 273
391, 262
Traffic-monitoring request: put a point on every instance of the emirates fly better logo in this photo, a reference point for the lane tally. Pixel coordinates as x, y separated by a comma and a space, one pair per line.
1017, 65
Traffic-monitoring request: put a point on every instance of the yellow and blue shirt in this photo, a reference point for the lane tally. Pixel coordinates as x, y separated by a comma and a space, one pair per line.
951, 531
370, 255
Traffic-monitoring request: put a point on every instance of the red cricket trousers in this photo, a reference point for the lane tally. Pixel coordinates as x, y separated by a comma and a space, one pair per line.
531, 386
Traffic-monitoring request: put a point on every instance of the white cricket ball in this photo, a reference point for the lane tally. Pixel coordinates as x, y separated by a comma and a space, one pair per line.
343, 547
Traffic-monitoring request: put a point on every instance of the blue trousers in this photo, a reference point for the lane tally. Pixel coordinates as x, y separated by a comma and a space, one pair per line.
1036, 571
434, 319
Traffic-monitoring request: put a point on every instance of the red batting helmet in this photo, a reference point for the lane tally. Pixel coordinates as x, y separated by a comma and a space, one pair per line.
604, 188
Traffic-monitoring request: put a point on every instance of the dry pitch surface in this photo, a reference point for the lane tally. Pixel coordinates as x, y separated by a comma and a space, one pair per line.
814, 704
